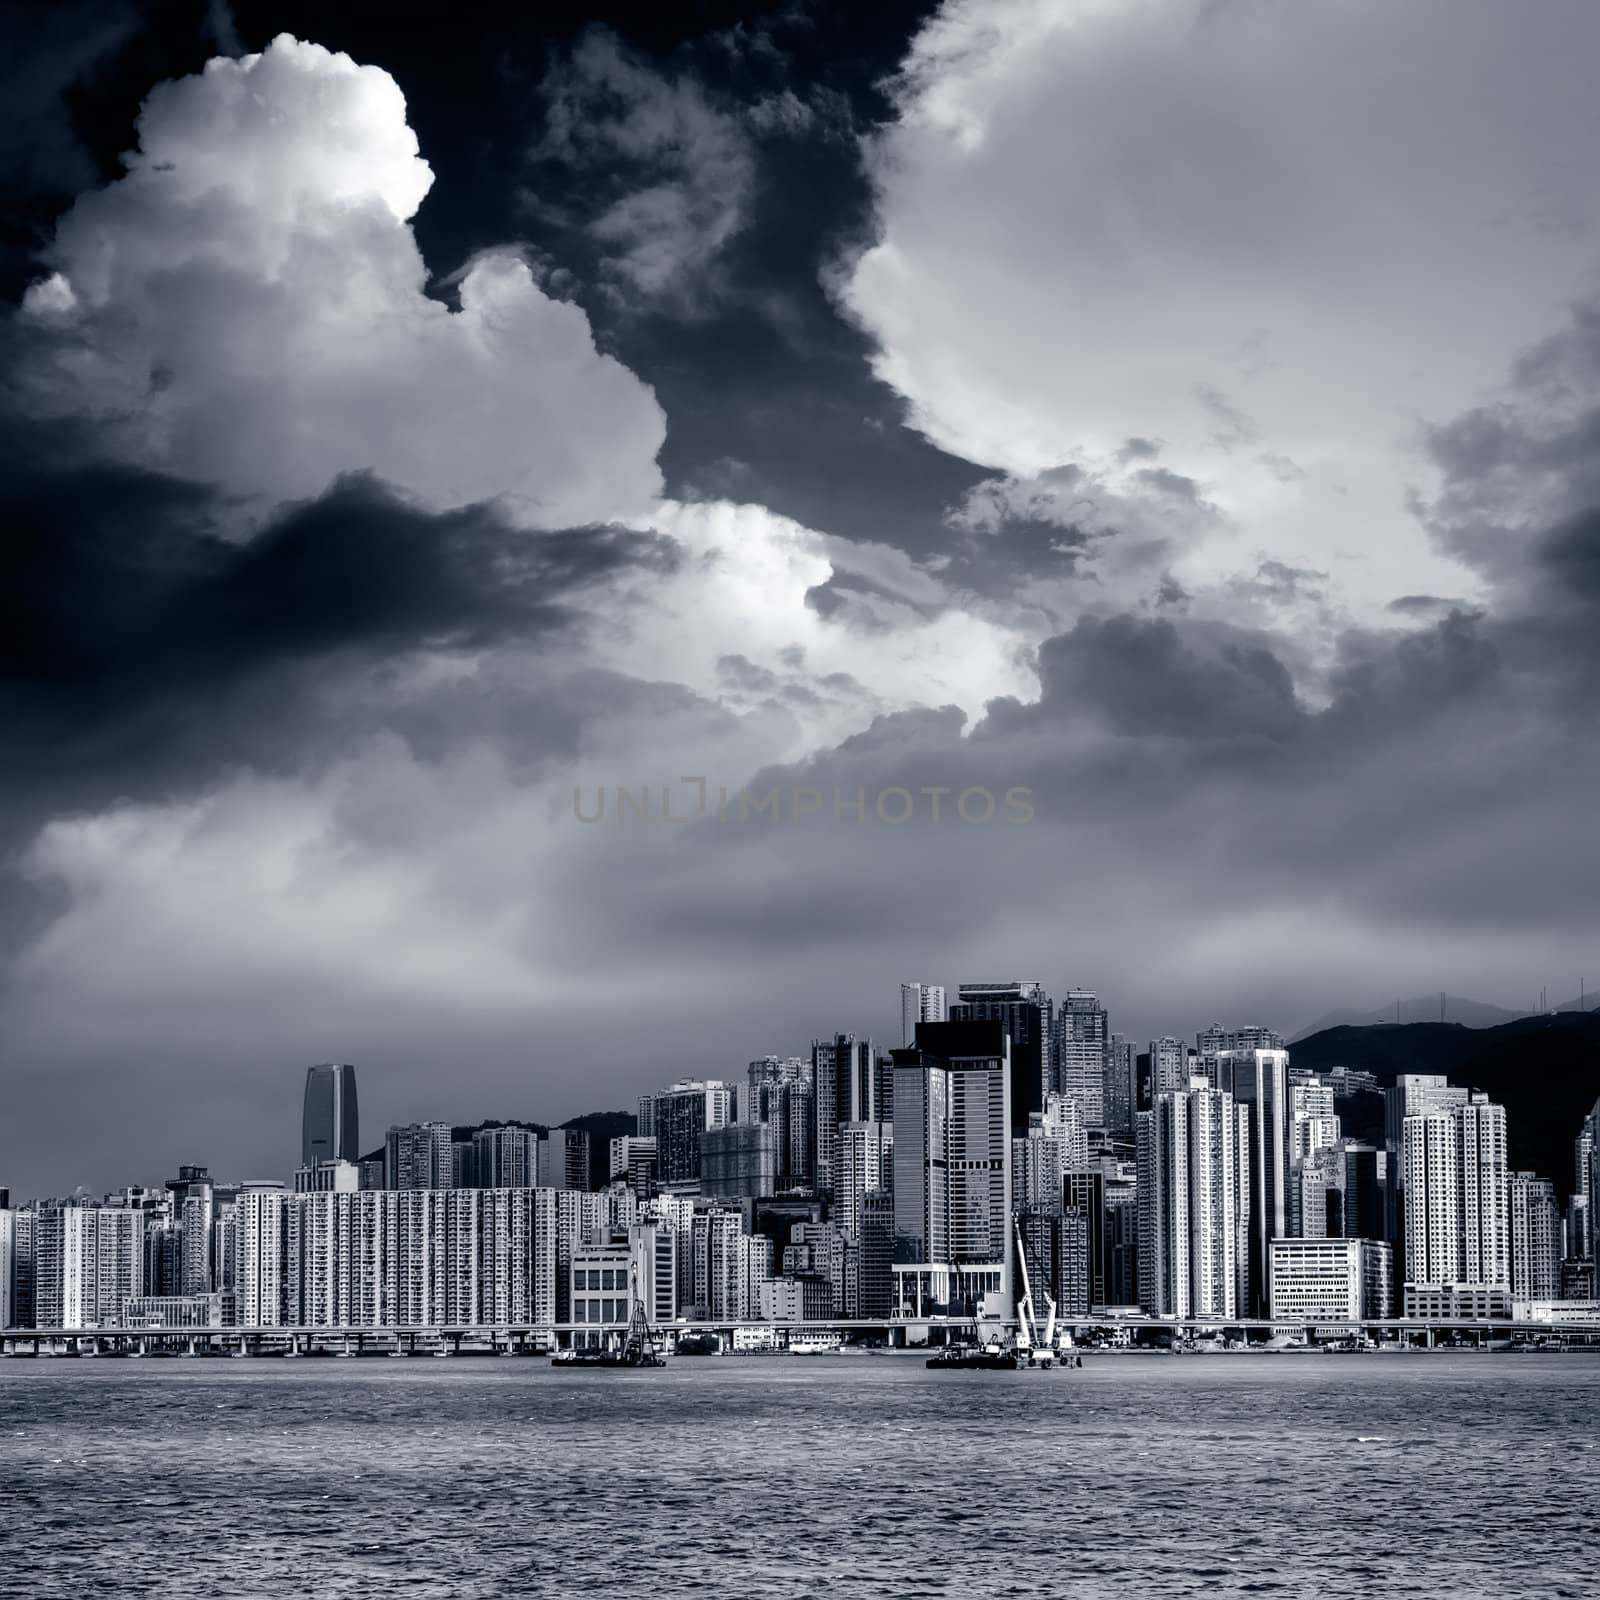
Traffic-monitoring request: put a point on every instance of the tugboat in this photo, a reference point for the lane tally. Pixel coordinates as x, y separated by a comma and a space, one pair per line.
638, 1348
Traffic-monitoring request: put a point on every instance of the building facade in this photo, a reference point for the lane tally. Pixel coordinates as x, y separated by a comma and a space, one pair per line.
330, 1123
952, 1167
1336, 1283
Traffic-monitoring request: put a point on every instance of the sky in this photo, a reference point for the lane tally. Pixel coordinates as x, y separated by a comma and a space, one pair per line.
1101, 491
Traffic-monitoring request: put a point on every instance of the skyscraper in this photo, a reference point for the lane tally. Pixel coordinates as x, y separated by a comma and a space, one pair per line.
1368, 1174
845, 1082
919, 1002
1024, 1010
329, 1125
952, 1167
1082, 1034
1259, 1082
1118, 1095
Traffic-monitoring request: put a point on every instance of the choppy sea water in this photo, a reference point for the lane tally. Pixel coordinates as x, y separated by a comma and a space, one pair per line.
1324, 1475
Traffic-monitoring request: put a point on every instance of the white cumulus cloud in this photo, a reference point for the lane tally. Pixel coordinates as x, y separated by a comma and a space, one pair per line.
247, 306
1278, 239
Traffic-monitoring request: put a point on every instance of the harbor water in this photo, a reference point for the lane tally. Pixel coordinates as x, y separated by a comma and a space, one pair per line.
840, 1476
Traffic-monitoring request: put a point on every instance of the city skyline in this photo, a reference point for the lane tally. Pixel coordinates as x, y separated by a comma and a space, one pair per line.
871, 1188
38, 1169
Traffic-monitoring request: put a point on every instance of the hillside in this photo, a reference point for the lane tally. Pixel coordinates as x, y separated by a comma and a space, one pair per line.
1544, 1070
1426, 1008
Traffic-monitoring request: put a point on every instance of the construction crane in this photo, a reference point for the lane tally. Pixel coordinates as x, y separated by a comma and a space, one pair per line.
1029, 1344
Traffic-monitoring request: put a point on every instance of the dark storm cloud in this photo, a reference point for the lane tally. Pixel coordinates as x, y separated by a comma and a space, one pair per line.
1144, 677
743, 346
141, 648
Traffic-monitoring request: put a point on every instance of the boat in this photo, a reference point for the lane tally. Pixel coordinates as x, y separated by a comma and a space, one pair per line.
829, 1342
699, 1344
638, 1347
975, 1358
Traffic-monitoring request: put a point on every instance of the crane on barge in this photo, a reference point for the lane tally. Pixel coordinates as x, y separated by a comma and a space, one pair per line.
1035, 1350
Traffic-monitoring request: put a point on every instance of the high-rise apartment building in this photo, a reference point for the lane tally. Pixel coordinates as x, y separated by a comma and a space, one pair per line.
386, 1258
1313, 1123
1535, 1219
952, 1166
258, 1239
1413, 1094
781, 1092
919, 1002
24, 1261
1432, 1163
88, 1260
330, 1127
1025, 1011
1586, 1160
633, 1161
865, 1151
1056, 1144
504, 1158
193, 1209
1458, 1201
739, 1161
1485, 1193
418, 1156
1193, 1201
1082, 1033
675, 1118
8, 1266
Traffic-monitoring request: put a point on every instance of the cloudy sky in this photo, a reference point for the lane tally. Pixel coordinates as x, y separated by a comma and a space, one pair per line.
1186, 411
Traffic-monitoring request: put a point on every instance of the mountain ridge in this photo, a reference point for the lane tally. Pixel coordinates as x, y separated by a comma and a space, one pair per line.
1544, 1069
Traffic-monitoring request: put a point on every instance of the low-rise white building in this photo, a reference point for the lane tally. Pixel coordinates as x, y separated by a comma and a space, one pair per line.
1331, 1282
1457, 1302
